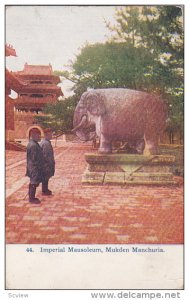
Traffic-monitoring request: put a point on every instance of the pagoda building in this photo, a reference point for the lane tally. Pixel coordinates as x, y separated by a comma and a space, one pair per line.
41, 88
12, 83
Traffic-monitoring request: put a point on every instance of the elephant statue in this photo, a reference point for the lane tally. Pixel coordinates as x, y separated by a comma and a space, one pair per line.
119, 114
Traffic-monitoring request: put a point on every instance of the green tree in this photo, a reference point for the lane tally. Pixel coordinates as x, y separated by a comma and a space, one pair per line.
113, 65
58, 116
160, 30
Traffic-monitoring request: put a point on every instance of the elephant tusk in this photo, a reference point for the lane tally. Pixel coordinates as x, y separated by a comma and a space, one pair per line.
80, 125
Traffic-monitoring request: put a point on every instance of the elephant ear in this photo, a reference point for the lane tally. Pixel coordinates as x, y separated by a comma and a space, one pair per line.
95, 103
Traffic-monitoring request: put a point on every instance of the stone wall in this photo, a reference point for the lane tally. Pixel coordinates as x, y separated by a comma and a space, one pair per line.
9, 105
22, 121
9, 119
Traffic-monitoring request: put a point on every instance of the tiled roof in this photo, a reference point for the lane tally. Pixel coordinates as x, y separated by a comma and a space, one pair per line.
13, 82
9, 50
42, 89
36, 70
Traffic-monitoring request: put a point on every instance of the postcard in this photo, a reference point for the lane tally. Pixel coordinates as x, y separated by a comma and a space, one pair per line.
94, 111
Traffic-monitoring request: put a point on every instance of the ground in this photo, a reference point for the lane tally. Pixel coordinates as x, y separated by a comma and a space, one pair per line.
81, 214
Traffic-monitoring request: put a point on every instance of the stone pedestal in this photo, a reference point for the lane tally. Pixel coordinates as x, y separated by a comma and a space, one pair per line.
126, 169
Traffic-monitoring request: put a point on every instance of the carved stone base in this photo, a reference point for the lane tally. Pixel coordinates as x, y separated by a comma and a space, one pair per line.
124, 169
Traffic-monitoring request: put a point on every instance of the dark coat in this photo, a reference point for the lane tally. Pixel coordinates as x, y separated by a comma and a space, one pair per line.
48, 155
34, 162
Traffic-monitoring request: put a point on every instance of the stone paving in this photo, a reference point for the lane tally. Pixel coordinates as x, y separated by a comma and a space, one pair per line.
82, 214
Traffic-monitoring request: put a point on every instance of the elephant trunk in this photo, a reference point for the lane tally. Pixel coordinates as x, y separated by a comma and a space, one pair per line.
82, 128
81, 124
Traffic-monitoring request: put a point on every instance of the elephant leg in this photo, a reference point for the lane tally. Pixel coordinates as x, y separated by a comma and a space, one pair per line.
151, 144
105, 145
140, 145
131, 147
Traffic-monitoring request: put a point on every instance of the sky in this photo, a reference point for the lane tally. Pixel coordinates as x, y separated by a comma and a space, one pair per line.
54, 34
